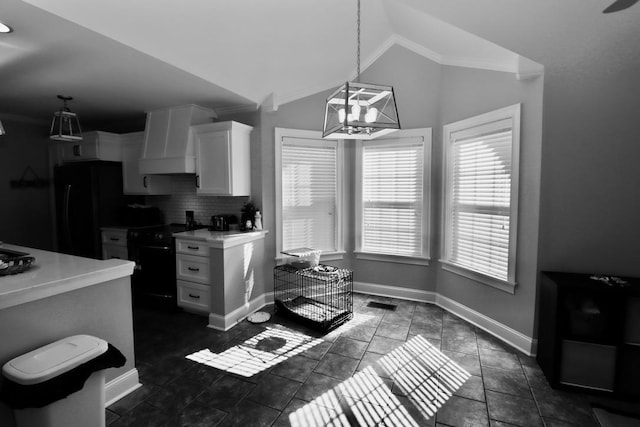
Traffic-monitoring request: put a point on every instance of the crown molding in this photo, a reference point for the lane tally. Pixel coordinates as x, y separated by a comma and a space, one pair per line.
236, 109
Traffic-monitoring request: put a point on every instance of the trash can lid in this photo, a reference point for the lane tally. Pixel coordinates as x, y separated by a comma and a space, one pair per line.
53, 359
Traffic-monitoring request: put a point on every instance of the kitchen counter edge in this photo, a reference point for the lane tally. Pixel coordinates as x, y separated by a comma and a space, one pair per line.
54, 273
221, 239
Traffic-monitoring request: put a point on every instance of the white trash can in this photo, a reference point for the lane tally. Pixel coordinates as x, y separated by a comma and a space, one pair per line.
81, 408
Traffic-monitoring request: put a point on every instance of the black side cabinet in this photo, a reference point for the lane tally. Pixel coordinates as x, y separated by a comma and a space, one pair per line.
589, 332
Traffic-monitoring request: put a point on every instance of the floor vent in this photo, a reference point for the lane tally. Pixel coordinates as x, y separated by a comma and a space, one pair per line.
382, 305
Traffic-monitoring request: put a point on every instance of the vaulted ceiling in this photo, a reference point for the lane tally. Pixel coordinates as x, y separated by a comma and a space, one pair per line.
119, 58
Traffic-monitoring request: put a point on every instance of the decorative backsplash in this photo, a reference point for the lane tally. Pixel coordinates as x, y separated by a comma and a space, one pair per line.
184, 198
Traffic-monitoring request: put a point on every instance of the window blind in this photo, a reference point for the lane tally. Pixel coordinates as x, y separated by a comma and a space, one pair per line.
392, 198
480, 199
309, 194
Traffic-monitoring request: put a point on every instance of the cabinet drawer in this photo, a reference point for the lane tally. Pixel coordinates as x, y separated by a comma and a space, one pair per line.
191, 247
115, 237
114, 251
194, 296
192, 268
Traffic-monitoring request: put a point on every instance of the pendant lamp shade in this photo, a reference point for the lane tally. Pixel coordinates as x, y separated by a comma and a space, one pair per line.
65, 125
2, 132
360, 110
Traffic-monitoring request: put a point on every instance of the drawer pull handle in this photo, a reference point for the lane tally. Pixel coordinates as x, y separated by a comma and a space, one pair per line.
195, 248
193, 269
115, 239
194, 296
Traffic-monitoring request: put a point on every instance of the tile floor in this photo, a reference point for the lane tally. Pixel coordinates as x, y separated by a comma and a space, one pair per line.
504, 387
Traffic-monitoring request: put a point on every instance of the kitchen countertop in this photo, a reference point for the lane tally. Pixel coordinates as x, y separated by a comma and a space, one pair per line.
221, 239
54, 273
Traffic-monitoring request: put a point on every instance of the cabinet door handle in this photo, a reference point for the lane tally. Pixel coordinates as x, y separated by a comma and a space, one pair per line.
198, 181
195, 248
194, 296
144, 181
193, 269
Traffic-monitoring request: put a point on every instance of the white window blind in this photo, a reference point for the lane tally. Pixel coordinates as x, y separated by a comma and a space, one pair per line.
481, 197
392, 197
309, 194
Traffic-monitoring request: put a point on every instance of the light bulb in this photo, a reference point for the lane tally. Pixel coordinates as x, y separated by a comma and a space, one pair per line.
371, 115
355, 111
341, 115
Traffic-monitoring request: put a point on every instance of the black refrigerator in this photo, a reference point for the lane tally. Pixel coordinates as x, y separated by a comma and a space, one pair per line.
88, 196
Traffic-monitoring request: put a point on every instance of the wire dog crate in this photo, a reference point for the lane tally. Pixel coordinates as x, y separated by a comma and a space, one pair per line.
321, 296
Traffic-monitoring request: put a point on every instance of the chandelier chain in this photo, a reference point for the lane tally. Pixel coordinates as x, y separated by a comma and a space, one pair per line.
358, 51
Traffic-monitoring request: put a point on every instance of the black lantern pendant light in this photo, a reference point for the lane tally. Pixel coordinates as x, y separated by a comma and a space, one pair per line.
65, 125
360, 110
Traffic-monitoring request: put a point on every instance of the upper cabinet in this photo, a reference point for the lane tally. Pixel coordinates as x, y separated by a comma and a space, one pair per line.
135, 183
223, 165
95, 145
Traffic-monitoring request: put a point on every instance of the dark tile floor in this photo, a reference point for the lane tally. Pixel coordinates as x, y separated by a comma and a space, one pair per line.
345, 376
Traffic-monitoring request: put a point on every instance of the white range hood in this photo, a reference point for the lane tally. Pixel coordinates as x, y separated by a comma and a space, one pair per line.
168, 142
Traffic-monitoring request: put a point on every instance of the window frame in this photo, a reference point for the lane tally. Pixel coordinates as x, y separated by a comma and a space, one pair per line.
280, 134
465, 127
426, 135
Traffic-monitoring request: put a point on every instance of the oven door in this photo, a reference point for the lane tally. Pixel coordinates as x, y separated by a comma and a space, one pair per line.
154, 277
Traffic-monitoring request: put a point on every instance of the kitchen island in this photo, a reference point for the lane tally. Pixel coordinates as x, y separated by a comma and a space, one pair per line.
221, 273
63, 295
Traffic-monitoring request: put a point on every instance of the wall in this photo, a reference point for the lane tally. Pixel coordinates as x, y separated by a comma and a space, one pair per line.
25, 212
469, 93
590, 199
430, 95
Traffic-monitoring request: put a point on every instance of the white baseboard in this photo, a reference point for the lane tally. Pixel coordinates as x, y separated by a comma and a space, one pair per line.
512, 337
120, 386
395, 292
224, 323
503, 332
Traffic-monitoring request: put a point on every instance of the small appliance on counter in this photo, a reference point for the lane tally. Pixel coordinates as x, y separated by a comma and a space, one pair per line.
222, 222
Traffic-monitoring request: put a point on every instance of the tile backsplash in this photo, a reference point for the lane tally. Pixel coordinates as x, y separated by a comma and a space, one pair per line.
184, 198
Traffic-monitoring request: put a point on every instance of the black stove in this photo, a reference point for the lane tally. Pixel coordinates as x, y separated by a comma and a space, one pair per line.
153, 281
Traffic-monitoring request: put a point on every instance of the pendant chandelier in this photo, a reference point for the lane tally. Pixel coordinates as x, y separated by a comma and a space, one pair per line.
65, 125
360, 110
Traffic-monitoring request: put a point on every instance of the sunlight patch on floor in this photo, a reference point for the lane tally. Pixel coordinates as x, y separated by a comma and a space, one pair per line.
258, 353
426, 376
362, 400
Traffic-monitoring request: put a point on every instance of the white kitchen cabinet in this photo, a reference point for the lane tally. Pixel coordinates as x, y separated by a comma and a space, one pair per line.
223, 164
95, 145
193, 272
114, 243
221, 274
133, 182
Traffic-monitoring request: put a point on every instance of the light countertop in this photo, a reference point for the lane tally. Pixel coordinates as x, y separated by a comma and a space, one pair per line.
221, 239
53, 273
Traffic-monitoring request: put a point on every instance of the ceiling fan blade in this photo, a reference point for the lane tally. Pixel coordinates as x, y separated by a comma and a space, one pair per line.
619, 5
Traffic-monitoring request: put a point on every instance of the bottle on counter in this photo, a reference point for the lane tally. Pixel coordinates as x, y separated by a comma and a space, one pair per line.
258, 221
